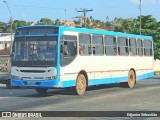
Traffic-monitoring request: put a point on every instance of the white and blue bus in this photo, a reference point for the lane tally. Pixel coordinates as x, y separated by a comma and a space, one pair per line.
45, 57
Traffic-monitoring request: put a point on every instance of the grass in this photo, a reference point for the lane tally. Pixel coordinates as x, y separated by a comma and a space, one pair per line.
156, 72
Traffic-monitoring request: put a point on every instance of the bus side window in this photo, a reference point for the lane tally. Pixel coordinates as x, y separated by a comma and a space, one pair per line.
110, 45
132, 47
97, 44
68, 49
85, 43
140, 47
123, 46
147, 48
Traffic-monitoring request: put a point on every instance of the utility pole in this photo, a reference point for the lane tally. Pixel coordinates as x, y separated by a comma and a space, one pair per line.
140, 8
65, 16
11, 20
84, 14
79, 17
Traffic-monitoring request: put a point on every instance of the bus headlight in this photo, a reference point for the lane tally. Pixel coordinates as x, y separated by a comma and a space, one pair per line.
51, 77
16, 77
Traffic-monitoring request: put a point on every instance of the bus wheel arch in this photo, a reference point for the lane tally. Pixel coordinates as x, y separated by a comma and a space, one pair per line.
81, 83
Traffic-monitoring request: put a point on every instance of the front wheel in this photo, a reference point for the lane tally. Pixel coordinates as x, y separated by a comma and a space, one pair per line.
8, 84
41, 90
81, 84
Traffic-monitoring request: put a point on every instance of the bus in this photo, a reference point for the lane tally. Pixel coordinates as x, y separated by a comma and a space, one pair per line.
45, 57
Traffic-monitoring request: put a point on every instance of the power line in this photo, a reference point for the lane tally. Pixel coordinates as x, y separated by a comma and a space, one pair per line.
84, 11
33, 6
140, 16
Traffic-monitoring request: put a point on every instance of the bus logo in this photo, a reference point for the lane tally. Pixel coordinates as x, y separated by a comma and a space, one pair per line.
6, 114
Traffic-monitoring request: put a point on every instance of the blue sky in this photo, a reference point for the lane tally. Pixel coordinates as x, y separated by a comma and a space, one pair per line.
34, 10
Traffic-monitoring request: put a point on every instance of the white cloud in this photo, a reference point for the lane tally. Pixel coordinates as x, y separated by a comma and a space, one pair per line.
145, 1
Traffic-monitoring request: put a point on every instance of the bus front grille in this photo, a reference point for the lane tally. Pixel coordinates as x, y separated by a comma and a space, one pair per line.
26, 78
33, 71
39, 78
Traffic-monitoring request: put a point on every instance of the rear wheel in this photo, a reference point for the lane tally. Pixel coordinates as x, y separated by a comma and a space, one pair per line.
131, 79
81, 84
41, 90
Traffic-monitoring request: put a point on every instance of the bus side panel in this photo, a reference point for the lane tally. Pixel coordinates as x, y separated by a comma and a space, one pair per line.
106, 69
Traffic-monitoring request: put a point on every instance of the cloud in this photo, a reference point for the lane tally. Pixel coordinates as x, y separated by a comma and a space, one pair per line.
145, 1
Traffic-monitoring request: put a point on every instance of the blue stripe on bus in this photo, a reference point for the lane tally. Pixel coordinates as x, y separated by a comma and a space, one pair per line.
93, 31
106, 80
141, 77
40, 83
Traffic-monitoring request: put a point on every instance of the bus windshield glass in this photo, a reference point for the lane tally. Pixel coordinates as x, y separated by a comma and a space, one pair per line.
34, 51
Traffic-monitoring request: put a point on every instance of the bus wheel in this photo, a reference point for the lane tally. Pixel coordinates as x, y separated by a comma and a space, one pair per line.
8, 84
131, 79
41, 90
81, 84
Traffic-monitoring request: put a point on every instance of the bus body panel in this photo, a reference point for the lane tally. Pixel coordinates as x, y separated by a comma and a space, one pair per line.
101, 70
105, 69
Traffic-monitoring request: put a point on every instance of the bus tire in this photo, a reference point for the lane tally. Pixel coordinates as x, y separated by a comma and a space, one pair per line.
41, 90
8, 84
131, 79
81, 84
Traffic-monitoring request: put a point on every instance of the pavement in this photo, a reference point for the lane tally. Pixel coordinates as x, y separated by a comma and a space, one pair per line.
144, 97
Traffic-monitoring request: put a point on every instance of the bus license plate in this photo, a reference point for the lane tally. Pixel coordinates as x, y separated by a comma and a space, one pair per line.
31, 83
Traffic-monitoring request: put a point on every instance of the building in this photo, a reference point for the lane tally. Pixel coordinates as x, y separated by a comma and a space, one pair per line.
68, 23
5, 48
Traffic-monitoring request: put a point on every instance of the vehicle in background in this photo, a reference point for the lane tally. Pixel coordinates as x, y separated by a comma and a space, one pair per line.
5, 79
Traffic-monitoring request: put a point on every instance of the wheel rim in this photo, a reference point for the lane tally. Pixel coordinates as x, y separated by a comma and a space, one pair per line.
81, 85
132, 79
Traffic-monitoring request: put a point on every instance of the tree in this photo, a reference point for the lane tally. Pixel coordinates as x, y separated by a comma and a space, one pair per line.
2, 26
44, 21
57, 22
149, 25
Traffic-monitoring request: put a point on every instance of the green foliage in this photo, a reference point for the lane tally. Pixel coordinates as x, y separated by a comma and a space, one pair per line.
20, 23
149, 27
2, 27
45, 21
57, 22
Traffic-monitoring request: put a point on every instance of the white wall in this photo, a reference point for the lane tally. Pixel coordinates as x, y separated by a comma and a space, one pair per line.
5, 38
156, 65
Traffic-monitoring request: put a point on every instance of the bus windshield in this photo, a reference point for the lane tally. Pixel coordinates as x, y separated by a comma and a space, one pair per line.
34, 51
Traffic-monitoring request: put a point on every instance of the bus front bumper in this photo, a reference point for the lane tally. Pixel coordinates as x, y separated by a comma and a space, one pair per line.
35, 83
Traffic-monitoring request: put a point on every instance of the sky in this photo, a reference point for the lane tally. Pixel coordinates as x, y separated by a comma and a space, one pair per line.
34, 10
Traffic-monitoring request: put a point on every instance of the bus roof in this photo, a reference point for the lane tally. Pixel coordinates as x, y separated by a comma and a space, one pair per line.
93, 31
104, 32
